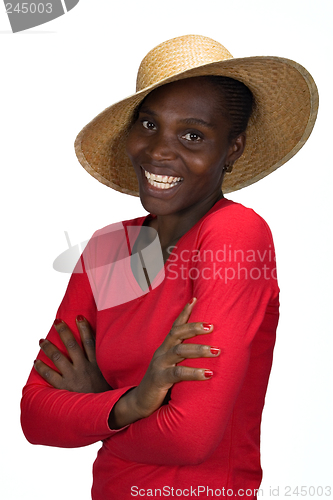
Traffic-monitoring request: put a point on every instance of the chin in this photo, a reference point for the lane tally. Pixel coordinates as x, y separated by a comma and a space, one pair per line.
156, 206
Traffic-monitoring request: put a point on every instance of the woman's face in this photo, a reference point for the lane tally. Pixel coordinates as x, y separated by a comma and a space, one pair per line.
179, 145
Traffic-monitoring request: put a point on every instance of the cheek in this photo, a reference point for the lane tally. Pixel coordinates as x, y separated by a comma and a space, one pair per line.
207, 165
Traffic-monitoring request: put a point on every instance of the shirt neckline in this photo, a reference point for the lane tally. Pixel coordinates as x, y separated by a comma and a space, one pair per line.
218, 205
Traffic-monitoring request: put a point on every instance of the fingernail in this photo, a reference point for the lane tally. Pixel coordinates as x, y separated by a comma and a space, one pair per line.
208, 373
80, 318
57, 321
191, 301
41, 341
207, 326
215, 350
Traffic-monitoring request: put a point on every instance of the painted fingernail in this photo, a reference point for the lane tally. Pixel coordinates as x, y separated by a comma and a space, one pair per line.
215, 350
191, 301
208, 373
80, 318
207, 326
41, 341
57, 321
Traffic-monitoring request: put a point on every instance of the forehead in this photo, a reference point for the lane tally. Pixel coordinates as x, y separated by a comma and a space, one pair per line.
191, 95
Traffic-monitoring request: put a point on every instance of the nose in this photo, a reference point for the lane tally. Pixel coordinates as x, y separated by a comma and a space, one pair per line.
162, 147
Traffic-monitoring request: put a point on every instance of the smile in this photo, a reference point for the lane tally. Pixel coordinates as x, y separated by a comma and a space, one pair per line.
161, 181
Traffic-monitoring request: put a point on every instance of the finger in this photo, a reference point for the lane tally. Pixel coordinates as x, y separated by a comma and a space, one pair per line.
87, 337
185, 373
186, 313
182, 332
74, 350
60, 361
190, 351
48, 374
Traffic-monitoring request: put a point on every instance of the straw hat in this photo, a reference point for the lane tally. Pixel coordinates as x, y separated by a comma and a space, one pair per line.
286, 107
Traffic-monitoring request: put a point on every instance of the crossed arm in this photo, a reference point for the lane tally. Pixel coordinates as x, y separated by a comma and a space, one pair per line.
80, 372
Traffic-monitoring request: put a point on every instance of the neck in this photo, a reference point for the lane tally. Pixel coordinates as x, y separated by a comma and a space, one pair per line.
172, 227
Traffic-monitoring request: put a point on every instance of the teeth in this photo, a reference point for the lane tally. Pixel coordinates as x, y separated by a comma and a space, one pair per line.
161, 181
162, 185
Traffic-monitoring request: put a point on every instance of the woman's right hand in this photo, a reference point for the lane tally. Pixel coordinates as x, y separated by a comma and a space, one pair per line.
163, 370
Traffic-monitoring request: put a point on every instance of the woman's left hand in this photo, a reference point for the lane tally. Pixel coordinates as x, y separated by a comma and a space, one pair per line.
80, 373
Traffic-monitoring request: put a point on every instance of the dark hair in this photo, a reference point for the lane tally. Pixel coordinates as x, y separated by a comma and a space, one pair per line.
237, 102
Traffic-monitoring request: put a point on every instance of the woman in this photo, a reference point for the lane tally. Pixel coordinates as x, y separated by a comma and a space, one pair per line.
178, 412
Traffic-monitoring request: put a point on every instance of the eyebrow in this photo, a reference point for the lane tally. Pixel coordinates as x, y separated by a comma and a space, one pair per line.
187, 121
197, 121
144, 109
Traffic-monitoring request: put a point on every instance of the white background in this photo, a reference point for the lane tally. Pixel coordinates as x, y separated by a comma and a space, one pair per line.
57, 77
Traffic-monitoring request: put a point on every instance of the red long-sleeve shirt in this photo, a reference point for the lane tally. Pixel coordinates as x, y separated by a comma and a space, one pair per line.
205, 441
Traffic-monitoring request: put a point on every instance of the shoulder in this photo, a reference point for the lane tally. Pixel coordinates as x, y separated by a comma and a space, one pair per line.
228, 213
232, 222
116, 231
110, 241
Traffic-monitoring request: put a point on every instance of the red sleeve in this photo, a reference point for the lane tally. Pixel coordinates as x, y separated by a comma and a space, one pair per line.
238, 295
61, 418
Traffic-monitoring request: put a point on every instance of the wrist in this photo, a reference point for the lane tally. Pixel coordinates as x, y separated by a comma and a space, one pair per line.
125, 411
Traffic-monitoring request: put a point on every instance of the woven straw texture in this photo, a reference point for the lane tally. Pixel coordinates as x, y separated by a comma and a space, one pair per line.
286, 105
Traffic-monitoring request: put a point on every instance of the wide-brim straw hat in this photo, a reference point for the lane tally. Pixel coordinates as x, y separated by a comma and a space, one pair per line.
286, 105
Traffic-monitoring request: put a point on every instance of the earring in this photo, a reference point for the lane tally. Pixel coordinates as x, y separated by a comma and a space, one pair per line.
228, 167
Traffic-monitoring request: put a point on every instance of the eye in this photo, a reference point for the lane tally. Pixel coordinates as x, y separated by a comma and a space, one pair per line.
192, 137
148, 124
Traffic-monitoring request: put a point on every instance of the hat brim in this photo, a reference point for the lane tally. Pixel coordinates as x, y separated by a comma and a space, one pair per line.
286, 106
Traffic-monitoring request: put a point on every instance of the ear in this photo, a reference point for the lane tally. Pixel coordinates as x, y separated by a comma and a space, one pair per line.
236, 148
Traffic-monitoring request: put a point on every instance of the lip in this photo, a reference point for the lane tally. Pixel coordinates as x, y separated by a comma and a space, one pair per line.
162, 178
161, 169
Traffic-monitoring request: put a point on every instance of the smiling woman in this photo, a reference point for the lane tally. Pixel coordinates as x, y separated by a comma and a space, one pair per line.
183, 133
163, 357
